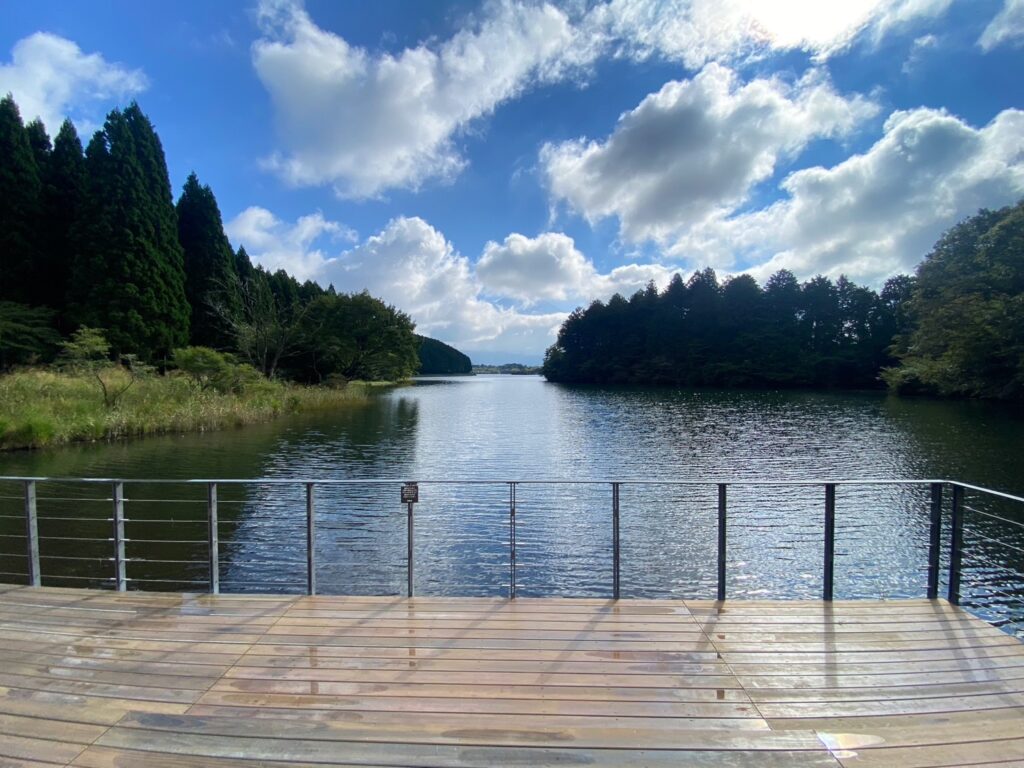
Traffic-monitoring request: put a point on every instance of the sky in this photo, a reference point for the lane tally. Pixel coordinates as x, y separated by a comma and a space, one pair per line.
488, 167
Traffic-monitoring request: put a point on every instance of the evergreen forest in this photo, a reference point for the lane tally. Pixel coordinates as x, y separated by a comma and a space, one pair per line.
955, 328
91, 239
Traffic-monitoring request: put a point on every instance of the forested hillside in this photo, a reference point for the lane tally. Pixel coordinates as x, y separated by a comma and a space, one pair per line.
93, 239
956, 328
437, 358
737, 334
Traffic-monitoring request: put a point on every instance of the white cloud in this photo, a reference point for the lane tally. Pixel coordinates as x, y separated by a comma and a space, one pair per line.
1005, 28
696, 32
51, 78
368, 122
411, 265
695, 147
876, 213
277, 245
918, 51
549, 267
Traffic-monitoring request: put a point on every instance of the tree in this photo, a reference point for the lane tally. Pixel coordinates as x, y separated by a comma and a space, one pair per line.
264, 329
39, 141
19, 206
26, 334
87, 353
210, 277
63, 193
128, 272
436, 357
356, 337
968, 309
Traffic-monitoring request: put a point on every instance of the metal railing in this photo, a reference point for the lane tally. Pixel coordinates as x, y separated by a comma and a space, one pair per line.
953, 526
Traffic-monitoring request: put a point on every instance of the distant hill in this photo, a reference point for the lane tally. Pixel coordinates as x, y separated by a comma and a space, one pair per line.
436, 357
508, 368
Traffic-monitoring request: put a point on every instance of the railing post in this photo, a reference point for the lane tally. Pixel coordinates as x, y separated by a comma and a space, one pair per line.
721, 540
512, 539
409, 572
310, 542
934, 541
615, 541
120, 576
211, 513
956, 544
32, 534
830, 539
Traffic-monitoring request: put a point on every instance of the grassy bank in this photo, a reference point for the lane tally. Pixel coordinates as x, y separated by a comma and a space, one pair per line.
41, 407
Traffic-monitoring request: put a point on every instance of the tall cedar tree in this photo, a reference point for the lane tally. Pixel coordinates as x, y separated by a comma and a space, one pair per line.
129, 276
211, 282
19, 206
63, 193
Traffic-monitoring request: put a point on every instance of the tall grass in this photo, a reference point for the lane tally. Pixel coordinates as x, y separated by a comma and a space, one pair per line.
41, 407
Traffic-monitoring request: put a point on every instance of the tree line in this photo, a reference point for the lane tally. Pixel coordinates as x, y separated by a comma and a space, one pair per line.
954, 328
92, 238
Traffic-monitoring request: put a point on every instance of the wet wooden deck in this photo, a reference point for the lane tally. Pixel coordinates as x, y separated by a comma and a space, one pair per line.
93, 678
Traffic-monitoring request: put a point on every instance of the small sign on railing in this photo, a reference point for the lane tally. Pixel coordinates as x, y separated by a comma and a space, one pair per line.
410, 493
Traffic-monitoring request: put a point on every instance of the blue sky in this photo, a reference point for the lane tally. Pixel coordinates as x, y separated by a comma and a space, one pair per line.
487, 167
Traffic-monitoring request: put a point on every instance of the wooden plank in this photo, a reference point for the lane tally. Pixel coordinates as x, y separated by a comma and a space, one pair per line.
440, 756
506, 734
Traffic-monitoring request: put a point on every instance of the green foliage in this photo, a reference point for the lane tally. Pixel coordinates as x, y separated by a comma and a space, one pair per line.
211, 283
209, 369
436, 357
45, 407
356, 336
19, 206
128, 270
702, 333
967, 307
63, 193
26, 334
86, 349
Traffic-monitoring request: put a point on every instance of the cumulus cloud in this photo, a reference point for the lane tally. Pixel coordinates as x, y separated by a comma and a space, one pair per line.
695, 147
413, 266
696, 32
876, 213
549, 266
1005, 28
51, 78
365, 122
291, 247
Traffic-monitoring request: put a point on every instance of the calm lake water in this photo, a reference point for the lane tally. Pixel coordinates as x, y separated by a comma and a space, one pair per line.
523, 428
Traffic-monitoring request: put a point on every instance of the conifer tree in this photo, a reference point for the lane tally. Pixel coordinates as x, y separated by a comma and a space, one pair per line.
19, 205
62, 200
128, 274
211, 282
39, 141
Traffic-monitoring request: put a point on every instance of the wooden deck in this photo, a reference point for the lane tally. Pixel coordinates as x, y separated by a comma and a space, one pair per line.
91, 678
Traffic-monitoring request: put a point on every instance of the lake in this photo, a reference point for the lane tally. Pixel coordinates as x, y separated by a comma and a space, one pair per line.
523, 428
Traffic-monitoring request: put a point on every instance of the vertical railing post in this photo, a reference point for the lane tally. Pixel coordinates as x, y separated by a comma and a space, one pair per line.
934, 541
512, 539
956, 544
31, 534
211, 514
615, 541
721, 540
410, 534
830, 539
120, 576
310, 542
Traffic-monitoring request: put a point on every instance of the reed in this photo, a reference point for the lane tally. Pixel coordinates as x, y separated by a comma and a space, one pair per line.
43, 407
